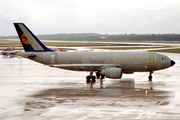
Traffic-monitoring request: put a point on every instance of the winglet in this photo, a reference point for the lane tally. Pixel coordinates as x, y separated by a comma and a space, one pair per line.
29, 41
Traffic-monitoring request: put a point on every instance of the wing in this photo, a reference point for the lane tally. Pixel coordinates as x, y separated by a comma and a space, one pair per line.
86, 67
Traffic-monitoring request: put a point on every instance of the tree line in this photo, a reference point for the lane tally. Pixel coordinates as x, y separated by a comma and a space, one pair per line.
106, 37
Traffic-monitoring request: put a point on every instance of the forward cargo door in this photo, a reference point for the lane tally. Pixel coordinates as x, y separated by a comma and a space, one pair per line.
151, 59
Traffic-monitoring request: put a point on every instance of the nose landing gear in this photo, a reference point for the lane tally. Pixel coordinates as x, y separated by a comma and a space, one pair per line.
150, 76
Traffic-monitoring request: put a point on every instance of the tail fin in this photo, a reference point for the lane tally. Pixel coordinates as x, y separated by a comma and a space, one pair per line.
29, 41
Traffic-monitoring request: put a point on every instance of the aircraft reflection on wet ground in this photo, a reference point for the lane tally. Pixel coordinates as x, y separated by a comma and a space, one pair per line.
124, 88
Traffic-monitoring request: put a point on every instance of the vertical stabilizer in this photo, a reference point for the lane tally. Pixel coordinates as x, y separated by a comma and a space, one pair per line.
29, 41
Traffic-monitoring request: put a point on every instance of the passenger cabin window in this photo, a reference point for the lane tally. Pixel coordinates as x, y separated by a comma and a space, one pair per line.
165, 58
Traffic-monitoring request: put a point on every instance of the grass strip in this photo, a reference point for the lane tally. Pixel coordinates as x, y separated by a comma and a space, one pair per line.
166, 50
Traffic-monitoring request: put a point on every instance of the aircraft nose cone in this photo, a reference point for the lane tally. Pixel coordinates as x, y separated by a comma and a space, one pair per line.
172, 62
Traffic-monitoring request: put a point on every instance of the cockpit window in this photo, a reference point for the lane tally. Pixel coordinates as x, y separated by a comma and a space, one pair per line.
165, 58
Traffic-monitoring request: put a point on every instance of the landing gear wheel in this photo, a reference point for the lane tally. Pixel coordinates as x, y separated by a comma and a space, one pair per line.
101, 81
93, 79
102, 77
150, 75
97, 75
88, 79
150, 78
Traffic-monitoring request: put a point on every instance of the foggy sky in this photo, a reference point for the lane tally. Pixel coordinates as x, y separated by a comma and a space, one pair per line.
91, 16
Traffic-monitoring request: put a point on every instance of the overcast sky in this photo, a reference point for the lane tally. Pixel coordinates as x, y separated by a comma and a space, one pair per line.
94, 16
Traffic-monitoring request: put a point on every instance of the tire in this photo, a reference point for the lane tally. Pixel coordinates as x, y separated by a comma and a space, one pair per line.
88, 79
93, 79
150, 78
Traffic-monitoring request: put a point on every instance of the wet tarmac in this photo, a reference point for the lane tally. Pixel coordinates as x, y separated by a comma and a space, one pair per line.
29, 91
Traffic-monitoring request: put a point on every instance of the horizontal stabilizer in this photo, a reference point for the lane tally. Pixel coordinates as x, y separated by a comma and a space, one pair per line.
26, 54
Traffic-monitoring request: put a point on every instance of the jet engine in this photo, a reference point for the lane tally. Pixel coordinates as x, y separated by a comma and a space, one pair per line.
113, 73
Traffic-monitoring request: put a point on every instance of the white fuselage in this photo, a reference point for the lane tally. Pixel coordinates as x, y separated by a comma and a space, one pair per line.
129, 61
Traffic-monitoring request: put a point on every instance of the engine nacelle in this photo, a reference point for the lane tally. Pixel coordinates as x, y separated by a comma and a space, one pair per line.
113, 73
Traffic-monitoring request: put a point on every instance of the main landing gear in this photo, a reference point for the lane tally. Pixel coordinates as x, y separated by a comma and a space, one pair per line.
101, 77
150, 76
92, 79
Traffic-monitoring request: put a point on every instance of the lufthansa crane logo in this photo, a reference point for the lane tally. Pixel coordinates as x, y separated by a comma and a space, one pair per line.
24, 39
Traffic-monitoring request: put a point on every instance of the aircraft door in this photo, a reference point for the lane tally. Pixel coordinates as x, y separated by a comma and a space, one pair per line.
151, 62
52, 58
151, 59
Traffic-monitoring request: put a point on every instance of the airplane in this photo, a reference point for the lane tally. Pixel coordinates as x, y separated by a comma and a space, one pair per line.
9, 51
104, 64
